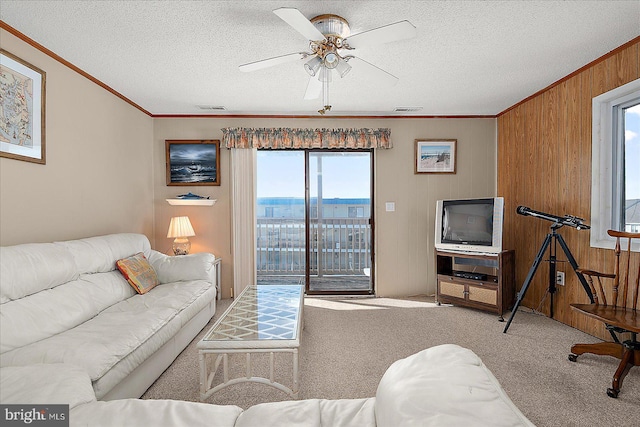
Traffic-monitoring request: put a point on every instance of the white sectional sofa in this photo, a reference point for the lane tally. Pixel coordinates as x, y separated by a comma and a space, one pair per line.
445, 385
66, 303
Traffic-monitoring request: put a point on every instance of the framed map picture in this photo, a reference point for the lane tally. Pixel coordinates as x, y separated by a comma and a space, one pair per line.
22, 93
193, 162
435, 156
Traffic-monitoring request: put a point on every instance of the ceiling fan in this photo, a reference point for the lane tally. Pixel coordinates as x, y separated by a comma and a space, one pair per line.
330, 45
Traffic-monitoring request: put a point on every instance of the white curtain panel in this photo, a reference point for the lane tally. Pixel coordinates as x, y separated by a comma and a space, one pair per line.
243, 219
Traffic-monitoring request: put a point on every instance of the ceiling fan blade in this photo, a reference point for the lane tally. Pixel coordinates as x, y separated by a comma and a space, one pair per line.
314, 88
363, 67
270, 62
299, 23
389, 33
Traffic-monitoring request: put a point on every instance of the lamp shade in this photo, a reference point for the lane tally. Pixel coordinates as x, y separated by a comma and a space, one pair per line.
331, 60
313, 65
343, 68
180, 226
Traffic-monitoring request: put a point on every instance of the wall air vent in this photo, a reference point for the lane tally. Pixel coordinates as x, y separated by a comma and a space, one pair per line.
212, 107
406, 109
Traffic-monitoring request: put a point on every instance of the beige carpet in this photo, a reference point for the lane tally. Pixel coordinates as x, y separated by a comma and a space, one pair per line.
347, 345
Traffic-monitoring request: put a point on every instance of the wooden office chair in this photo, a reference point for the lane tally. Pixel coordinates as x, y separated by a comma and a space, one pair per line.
619, 316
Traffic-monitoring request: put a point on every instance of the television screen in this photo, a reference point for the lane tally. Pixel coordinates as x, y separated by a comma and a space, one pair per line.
468, 222
469, 225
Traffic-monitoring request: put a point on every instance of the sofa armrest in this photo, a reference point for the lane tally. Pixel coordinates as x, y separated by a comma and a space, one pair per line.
40, 384
444, 385
171, 269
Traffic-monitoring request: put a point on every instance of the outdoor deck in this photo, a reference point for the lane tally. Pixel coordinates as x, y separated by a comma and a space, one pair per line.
339, 253
323, 284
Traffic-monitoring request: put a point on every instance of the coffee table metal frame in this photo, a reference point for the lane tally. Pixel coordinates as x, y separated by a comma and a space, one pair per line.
263, 319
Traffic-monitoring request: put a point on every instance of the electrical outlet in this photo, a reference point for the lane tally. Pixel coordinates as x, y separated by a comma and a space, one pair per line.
560, 278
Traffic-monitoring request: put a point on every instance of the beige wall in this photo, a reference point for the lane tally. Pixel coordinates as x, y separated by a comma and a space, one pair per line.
404, 238
99, 173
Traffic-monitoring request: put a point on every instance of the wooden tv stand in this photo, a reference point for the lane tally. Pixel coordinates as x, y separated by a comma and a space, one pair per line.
495, 293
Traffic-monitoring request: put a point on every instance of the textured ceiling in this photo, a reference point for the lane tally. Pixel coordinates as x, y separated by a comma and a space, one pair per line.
469, 58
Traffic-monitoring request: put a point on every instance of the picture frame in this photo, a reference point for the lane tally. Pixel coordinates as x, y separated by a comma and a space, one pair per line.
435, 156
22, 120
193, 162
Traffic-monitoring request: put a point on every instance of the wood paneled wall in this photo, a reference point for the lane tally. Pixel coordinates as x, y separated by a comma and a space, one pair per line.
544, 163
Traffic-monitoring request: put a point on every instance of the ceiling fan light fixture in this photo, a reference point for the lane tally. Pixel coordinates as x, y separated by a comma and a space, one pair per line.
331, 25
342, 68
331, 60
313, 65
330, 39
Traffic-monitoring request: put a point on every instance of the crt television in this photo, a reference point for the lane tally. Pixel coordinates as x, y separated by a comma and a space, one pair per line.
470, 225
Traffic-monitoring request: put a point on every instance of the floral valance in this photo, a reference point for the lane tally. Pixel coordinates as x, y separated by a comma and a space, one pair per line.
282, 138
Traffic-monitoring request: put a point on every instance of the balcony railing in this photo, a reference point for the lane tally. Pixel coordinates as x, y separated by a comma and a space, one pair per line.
339, 246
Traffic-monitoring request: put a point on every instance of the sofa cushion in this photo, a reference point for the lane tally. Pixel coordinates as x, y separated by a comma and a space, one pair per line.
310, 413
138, 272
443, 385
53, 311
135, 327
288, 413
185, 299
156, 413
99, 254
31, 268
348, 412
45, 384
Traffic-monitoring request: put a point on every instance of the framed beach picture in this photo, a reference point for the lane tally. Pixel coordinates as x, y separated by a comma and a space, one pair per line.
193, 162
435, 156
22, 96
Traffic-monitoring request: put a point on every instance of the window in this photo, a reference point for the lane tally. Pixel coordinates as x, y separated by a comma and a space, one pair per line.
627, 125
615, 194
356, 212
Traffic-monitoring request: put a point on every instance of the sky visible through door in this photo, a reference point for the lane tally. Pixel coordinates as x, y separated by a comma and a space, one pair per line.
281, 174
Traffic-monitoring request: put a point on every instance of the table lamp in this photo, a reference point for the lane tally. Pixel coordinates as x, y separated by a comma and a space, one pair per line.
180, 228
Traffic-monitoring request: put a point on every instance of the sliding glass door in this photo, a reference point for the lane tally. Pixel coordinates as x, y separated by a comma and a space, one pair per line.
340, 238
314, 223
280, 214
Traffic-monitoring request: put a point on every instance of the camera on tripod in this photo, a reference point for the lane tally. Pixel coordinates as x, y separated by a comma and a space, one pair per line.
570, 220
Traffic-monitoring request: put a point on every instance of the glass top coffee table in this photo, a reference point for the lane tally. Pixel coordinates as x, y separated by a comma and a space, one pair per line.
263, 319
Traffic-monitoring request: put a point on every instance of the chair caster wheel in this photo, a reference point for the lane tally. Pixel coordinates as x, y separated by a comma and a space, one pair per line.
612, 393
573, 357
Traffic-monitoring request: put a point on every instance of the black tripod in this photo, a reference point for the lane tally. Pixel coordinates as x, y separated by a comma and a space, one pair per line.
553, 235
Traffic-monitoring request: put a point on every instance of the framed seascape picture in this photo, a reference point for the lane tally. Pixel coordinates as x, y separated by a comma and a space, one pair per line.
435, 156
193, 162
22, 119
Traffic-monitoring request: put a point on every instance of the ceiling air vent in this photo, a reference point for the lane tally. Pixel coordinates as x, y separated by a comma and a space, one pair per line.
211, 107
407, 109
